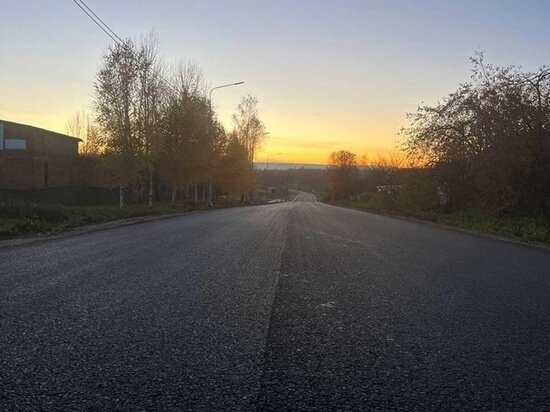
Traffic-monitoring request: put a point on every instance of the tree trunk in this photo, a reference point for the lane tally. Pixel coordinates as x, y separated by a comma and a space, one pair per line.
120, 197
174, 192
210, 192
196, 197
151, 191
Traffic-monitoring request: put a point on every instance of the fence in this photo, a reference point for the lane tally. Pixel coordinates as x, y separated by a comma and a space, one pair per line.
68, 195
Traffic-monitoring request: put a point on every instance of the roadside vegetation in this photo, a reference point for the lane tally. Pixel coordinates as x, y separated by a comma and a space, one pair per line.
153, 124
22, 219
478, 159
526, 228
153, 134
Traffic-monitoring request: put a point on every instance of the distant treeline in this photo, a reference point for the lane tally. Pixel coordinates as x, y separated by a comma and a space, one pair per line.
306, 179
485, 146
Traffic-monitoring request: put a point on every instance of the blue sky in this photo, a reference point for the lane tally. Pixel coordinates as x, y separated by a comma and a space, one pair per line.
328, 74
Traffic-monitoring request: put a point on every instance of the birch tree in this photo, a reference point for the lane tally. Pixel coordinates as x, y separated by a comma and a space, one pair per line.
116, 103
248, 126
249, 130
152, 97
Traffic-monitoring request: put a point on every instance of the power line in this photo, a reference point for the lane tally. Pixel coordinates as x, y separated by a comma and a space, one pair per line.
96, 22
116, 38
102, 22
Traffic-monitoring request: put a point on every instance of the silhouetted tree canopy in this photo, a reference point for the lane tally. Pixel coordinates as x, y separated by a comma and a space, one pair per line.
342, 174
489, 141
149, 128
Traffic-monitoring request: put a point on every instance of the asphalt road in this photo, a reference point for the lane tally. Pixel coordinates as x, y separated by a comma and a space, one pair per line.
305, 197
294, 306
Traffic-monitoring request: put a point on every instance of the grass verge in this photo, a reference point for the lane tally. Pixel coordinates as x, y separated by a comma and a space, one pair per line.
528, 229
18, 219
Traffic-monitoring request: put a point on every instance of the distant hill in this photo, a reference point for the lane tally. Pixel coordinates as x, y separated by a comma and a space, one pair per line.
280, 166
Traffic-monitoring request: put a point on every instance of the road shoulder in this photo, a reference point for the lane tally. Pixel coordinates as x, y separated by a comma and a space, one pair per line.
80, 230
540, 246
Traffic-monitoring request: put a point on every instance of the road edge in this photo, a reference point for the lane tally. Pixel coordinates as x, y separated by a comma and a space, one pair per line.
97, 227
539, 246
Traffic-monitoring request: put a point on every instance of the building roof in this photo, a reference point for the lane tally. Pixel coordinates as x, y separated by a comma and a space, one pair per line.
26, 126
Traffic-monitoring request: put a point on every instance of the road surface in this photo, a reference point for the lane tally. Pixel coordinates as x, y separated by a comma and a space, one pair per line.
305, 197
294, 306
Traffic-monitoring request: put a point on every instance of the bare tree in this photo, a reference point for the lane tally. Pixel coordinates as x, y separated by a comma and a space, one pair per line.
80, 126
248, 126
77, 125
249, 130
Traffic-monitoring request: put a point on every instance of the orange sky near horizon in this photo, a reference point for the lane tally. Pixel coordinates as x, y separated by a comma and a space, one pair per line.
312, 144
297, 138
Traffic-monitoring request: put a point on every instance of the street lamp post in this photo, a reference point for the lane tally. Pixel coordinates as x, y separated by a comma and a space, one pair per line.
220, 87
210, 104
267, 173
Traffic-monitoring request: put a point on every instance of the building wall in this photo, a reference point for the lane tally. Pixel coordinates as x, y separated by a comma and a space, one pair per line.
40, 141
33, 158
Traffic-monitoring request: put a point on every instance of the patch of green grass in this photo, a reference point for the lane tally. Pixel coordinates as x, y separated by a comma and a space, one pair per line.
105, 213
33, 211
530, 229
20, 219
13, 227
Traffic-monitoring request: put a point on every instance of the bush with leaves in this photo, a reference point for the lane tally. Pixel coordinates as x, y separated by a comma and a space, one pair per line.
489, 141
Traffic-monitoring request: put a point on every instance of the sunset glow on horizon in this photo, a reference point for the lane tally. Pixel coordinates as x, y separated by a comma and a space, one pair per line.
345, 82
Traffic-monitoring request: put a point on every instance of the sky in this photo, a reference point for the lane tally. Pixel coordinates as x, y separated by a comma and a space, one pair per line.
329, 75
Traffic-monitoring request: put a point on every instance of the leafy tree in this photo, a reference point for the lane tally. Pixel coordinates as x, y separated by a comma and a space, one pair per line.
148, 126
117, 106
342, 174
489, 142
153, 92
192, 135
233, 172
129, 99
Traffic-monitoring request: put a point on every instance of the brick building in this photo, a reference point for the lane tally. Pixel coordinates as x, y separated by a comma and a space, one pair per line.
34, 158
